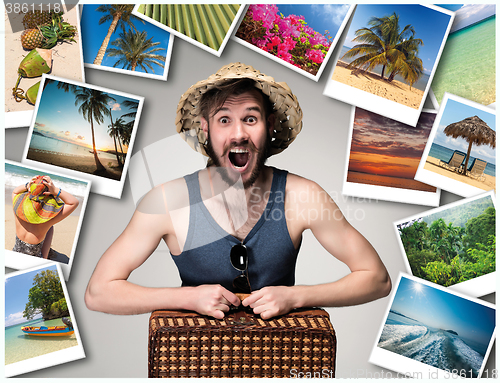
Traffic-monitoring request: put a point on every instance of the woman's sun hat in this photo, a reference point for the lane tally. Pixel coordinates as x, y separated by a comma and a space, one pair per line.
33, 206
285, 107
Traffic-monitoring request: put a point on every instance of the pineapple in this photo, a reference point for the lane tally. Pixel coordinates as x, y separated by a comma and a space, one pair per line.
31, 39
46, 36
33, 19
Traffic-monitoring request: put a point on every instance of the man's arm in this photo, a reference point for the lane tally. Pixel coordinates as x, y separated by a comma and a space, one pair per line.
109, 291
368, 279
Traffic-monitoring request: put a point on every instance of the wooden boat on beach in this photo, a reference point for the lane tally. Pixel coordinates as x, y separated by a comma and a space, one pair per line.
48, 331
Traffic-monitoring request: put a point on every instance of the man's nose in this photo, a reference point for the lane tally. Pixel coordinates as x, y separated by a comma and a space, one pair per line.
239, 132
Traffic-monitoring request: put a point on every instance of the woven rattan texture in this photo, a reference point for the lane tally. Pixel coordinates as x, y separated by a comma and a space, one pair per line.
196, 346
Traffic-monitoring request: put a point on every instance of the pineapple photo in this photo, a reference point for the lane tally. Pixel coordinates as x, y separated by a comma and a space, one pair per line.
54, 31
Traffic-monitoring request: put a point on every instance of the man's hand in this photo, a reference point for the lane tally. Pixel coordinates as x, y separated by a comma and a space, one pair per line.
271, 301
213, 300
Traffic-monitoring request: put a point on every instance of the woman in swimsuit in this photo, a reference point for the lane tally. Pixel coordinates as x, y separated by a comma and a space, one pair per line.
38, 206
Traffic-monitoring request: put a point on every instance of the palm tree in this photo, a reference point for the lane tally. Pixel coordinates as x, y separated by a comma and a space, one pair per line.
120, 15
113, 132
93, 104
135, 49
384, 44
411, 68
119, 128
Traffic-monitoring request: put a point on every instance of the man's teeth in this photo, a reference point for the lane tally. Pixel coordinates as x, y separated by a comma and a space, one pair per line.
239, 150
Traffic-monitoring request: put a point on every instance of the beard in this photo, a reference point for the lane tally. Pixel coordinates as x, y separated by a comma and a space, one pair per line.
225, 173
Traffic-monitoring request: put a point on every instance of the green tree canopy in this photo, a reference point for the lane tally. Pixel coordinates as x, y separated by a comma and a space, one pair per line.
46, 290
479, 229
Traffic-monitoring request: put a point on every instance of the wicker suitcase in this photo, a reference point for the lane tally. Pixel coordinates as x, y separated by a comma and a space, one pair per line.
186, 344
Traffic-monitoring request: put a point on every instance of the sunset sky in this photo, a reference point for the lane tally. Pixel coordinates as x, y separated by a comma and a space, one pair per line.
58, 118
382, 146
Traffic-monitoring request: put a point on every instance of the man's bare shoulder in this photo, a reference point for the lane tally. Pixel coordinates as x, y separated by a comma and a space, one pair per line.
301, 189
165, 197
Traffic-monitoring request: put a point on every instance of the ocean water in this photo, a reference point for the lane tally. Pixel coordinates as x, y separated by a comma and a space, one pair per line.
420, 84
19, 346
17, 175
467, 65
443, 153
431, 346
58, 146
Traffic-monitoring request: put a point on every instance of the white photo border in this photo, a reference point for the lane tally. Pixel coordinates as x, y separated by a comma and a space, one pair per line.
385, 193
407, 366
315, 77
54, 358
440, 181
380, 105
189, 39
477, 287
100, 185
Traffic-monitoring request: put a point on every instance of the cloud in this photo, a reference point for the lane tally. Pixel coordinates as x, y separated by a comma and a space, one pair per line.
79, 137
67, 132
335, 13
38, 124
116, 106
470, 14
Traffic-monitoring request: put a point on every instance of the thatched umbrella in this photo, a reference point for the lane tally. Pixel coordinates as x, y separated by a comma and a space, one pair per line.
474, 131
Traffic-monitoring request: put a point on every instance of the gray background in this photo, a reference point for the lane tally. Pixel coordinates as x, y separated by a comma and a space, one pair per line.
116, 346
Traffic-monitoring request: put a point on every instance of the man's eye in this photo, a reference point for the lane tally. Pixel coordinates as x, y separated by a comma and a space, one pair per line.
251, 119
224, 120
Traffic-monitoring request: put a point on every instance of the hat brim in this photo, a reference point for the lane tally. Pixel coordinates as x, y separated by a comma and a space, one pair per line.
288, 122
36, 209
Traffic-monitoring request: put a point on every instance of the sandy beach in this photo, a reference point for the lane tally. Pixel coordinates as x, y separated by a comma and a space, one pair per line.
372, 83
394, 182
432, 165
67, 61
84, 164
62, 242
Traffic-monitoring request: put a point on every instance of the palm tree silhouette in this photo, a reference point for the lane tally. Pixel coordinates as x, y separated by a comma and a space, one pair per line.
384, 44
113, 132
135, 49
120, 15
93, 105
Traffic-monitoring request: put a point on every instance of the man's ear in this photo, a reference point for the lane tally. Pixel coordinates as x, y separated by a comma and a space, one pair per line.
270, 123
204, 126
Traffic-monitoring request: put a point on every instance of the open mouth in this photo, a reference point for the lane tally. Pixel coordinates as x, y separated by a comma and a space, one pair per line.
239, 157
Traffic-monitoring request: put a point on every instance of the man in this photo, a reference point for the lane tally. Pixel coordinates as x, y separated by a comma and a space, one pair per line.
237, 220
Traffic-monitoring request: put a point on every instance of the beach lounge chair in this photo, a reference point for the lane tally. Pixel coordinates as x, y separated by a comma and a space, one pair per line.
476, 169
454, 162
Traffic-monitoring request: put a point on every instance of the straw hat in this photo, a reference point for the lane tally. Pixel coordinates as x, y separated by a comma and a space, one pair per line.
34, 206
285, 106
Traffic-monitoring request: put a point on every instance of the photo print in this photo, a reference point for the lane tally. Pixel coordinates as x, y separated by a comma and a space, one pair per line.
460, 154
384, 156
29, 54
431, 332
467, 65
389, 58
84, 130
453, 245
60, 244
40, 327
135, 47
208, 26
301, 37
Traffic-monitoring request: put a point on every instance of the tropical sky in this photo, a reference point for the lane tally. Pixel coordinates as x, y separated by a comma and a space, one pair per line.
386, 147
58, 118
93, 36
443, 310
320, 17
467, 14
16, 295
456, 111
429, 25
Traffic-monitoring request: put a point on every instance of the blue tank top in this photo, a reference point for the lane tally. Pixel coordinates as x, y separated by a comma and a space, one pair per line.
271, 253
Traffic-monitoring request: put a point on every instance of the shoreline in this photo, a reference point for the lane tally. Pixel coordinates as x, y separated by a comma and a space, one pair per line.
432, 165
84, 164
372, 83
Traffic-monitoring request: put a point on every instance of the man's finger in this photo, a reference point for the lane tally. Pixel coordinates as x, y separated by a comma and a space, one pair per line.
254, 297
231, 298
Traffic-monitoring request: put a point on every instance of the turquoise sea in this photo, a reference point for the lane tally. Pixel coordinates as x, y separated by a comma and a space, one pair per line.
420, 84
467, 65
443, 153
20, 347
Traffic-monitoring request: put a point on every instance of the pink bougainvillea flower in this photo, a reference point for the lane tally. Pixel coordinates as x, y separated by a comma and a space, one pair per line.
315, 56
